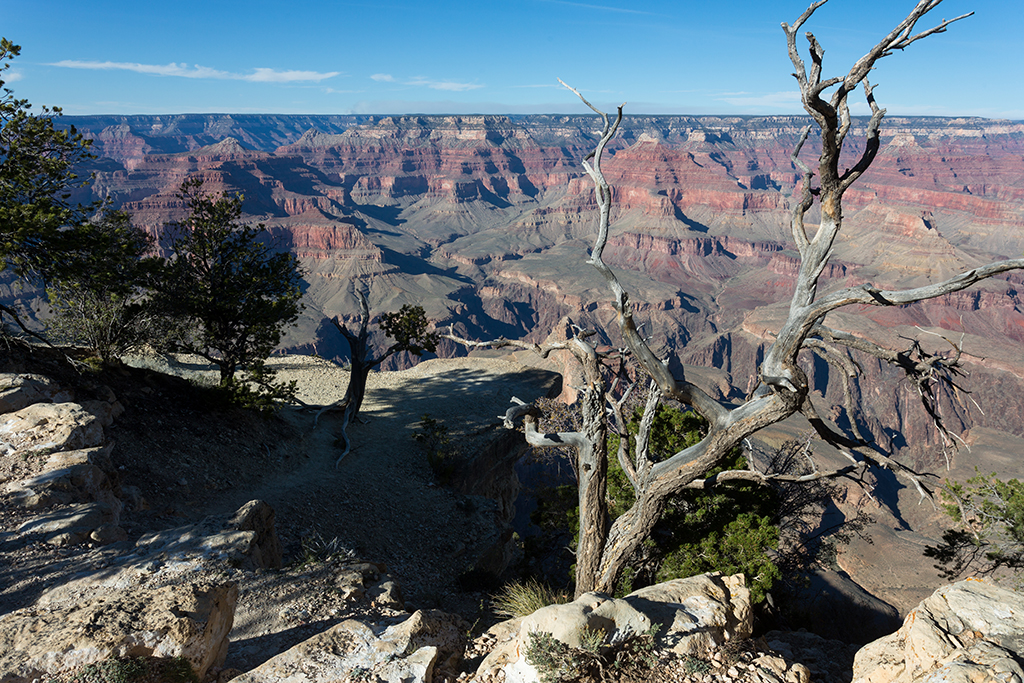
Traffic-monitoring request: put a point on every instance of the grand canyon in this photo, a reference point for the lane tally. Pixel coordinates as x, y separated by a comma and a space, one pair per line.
486, 222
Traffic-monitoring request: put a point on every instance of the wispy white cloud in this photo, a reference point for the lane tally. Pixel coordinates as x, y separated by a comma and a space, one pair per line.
443, 85
13, 76
604, 8
787, 99
424, 82
262, 75
259, 75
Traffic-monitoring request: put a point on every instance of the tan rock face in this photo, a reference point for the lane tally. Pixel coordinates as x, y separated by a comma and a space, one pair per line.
48, 427
971, 632
408, 650
190, 620
19, 391
693, 616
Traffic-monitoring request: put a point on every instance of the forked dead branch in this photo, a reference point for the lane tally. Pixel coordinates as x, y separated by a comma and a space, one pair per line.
604, 549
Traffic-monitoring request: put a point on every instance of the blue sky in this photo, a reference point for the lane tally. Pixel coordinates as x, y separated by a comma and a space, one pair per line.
494, 56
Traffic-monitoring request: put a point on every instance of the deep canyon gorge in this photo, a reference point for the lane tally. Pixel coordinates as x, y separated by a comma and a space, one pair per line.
486, 221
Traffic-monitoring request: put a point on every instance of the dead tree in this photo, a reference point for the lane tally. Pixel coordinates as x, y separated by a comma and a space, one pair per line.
783, 387
590, 443
408, 327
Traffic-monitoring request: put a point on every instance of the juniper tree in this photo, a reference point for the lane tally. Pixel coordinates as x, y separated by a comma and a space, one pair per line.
233, 293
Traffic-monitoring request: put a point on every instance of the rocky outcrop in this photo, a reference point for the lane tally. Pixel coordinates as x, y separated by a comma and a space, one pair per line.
19, 391
78, 476
410, 648
970, 631
694, 616
74, 524
49, 427
191, 620
56, 462
699, 613
245, 539
825, 660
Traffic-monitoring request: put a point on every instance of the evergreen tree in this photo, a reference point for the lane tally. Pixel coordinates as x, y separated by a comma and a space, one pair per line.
233, 294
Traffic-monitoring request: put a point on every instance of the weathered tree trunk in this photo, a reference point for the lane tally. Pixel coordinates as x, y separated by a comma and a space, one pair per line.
592, 473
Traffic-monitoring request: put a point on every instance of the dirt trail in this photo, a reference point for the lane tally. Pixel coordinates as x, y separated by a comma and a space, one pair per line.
382, 501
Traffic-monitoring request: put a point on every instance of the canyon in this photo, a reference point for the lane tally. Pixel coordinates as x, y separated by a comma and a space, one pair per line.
486, 221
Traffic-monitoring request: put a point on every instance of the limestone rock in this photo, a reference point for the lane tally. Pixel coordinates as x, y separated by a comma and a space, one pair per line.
781, 669
386, 593
827, 660
78, 476
968, 632
49, 427
105, 411
409, 650
190, 620
694, 615
698, 613
72, 524
258, 517
591, 611
246, 539
19, 391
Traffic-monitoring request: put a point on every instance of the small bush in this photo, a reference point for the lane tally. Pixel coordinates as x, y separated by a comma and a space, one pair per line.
634, 660
133, 670
695, 665
259, 390
637, 658
315, 548
432, 436
556, 661
591, 639
522, 598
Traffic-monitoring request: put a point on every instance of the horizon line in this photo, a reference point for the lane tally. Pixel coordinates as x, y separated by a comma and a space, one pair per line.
521, 115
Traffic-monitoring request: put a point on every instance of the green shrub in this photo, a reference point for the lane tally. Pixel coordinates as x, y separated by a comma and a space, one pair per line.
133, 670
442, 455
555, 661
733, 528
316, 549
989, 535
634, 659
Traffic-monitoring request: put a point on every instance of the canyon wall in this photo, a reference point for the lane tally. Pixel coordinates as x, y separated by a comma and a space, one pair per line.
486, 221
